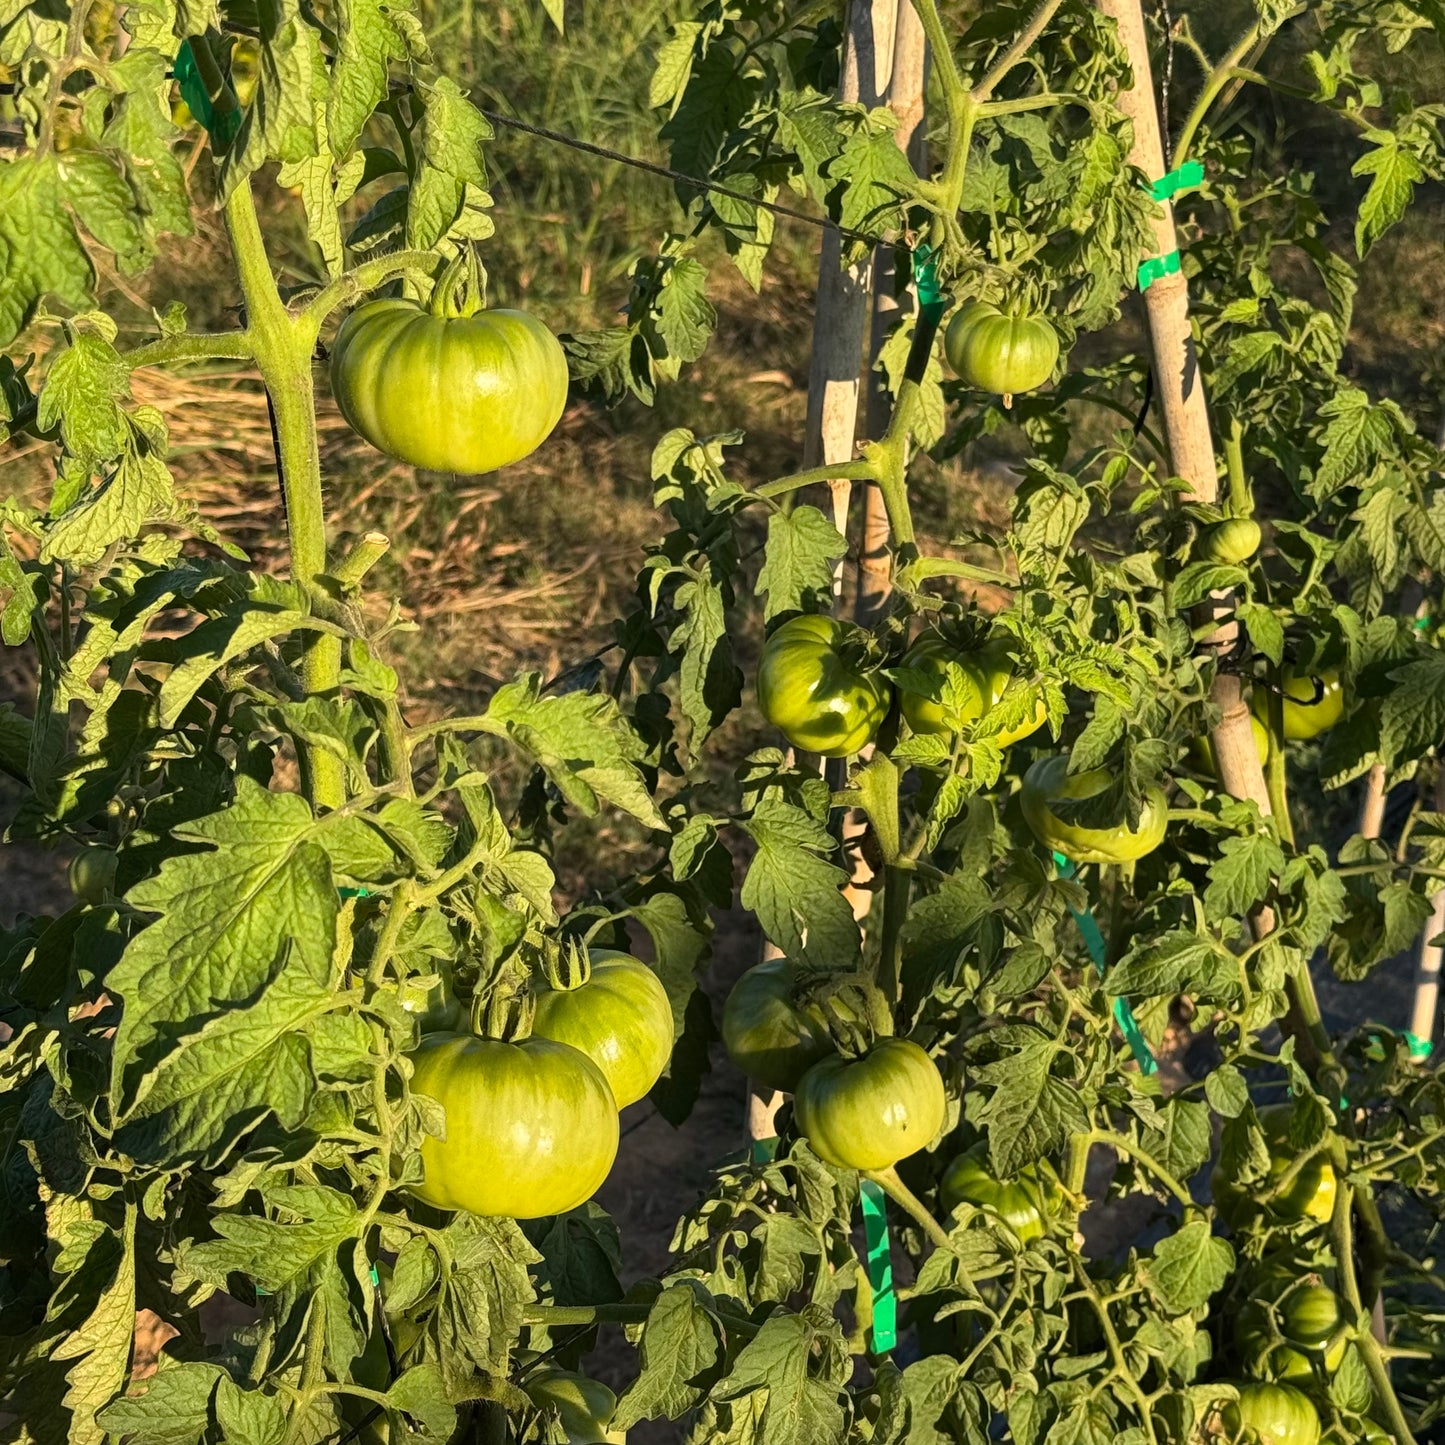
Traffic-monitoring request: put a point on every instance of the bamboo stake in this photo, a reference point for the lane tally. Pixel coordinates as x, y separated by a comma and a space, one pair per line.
1179, 391
1429, 958
835, 375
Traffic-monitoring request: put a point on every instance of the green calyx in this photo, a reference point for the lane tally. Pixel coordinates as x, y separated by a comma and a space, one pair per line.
504, 1010
566, 966
461, 290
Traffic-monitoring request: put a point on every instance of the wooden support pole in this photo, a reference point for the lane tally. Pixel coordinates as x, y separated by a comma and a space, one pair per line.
1179, 390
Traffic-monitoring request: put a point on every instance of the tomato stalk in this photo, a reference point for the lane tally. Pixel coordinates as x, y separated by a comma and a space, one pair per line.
1241, 502
889, 1182
1274, 769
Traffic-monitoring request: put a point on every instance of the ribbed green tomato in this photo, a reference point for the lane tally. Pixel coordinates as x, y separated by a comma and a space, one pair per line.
1023, 1203
436, 1007
1231, 542
531, 1126
769, 1037
1311, 1194
92, 874
584, 1406
1309, 1317
1311, 704
620, 1018
450, 393
1277, 1414
986, 673
1201, 750
998, 352
1048, 781
817, 700
871, 1112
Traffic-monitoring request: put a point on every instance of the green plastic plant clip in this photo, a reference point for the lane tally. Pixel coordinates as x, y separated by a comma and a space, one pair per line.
1123, 1014
222, 126
1185, 178
354, 892
925, 276
1156, 268
763, 1150
880, 1266
1419, 1048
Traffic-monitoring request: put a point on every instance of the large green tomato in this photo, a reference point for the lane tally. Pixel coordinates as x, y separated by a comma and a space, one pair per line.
871, 1112
1201, 750
447, 392
619, 1017
1277, 1414
812, 695
1023, 1203
998, 352
769, 1037
92, 874
584, 1407
986, 673
1048, 781
1232, 541
1309, 1317
531, 1126
1311, 704
1311, 1194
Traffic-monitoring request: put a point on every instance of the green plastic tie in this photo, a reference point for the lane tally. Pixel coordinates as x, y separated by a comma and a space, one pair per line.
354, 892
764, 1151
223, 125
1425, 623
880, 1266
1123, 1014
1419, 1048
1185, 178
1156, 268
925, 276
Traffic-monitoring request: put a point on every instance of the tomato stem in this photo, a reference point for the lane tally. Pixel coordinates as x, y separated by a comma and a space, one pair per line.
1241, 502
889, 1182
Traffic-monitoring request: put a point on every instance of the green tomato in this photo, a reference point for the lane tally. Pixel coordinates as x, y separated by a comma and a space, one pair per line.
1201, 750
871, 1112
584, 1407
769, 1037
1276, 1414
1048, 781
1309, 1317
449, 393
435, 1008
531, 1126
1232, 542
1311, 704
994, 351
816, 699
92, 874
1024, 1203
986, 673
619, 1017
1311, 1194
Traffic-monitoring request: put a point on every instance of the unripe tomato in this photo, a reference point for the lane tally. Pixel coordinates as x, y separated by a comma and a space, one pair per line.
1311, 1195
998, 352
1048, 781
92, 874
1311, 704
584, 1407
769, 1037
450, 393
620, 1018
1232, 541
986, 673
817, 700
871, 1112
1309, 1317
1023, 1203
1201, 750
531, 1126
436, 1008
1277, 1414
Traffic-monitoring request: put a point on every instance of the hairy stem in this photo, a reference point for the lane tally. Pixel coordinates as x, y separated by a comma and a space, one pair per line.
889, 1182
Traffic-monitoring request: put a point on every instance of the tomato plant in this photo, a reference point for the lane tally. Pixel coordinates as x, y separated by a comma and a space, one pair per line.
329, 1038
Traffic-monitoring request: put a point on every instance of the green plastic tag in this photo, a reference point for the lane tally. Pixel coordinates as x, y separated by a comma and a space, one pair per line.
1156, 268
223, 125
1419, 1048
1123, 1014
354, 892
1189, 175
925, 276
880, 1266
764, 1150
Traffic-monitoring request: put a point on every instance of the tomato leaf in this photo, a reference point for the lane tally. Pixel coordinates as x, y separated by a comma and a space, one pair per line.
797, 571
1032, 1109
1188, 1267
